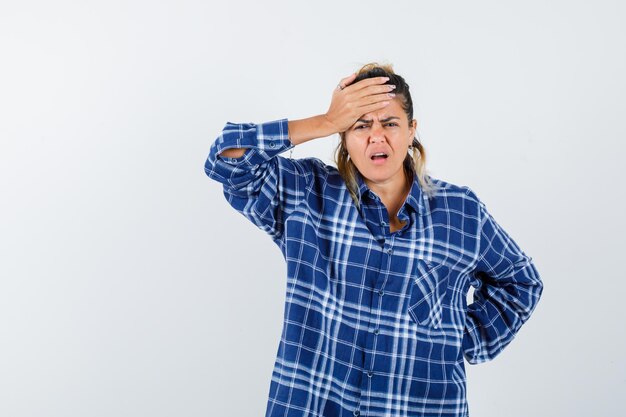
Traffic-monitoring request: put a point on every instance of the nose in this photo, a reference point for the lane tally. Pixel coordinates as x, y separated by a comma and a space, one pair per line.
376, 133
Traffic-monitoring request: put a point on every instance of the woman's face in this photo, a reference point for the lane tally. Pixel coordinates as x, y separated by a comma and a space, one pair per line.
378, 142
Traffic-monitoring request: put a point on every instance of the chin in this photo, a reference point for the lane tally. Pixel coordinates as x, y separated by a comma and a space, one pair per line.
377, 176
381, 174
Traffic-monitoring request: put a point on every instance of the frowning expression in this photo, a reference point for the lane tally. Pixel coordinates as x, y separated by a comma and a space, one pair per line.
378, 143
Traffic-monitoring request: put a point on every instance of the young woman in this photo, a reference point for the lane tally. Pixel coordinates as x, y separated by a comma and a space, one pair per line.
380, 259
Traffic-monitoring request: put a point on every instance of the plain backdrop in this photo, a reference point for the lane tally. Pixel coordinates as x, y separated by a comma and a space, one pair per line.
128, 285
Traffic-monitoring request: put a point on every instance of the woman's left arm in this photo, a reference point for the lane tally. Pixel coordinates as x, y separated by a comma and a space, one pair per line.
508, 288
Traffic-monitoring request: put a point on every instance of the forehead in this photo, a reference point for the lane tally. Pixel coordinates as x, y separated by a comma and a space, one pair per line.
393, 109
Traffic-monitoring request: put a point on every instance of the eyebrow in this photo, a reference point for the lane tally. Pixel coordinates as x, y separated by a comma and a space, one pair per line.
382, 121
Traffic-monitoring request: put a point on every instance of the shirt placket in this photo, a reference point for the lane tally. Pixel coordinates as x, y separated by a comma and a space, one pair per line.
378, 223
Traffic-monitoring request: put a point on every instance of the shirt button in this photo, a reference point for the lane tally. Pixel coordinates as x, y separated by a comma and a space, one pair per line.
383, 224
389, 251
380, 292
356, 412
369, 374
375, 331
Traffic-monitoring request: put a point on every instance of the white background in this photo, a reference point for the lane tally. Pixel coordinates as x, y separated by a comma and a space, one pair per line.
129, 287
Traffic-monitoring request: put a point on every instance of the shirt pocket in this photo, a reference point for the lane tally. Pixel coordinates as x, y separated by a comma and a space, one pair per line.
427, 291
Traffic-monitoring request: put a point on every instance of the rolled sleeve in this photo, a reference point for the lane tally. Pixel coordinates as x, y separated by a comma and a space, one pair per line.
263, 141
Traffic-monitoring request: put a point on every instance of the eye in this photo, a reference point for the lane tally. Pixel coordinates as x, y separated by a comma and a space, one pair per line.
392, 124
359, 127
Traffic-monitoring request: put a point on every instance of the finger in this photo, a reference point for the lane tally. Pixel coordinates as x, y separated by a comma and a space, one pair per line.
374, 98
375, 89
373, 107
346, 81
368, 82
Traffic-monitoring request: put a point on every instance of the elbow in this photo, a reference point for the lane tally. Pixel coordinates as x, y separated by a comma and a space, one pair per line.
213, 170
209, 167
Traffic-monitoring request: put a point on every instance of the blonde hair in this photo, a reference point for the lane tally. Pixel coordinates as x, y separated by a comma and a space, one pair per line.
415, 161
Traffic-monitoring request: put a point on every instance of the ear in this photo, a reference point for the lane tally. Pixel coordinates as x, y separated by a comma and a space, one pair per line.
412, 129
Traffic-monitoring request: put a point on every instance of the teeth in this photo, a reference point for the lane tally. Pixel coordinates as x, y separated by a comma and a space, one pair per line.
379, 154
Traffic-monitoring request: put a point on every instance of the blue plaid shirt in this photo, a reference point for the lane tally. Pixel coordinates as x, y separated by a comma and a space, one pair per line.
376, 323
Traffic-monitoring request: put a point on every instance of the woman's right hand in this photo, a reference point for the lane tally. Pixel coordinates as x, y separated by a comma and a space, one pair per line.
347, 105
351, 102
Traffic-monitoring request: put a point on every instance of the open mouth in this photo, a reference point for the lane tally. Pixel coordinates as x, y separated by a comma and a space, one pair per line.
378, 156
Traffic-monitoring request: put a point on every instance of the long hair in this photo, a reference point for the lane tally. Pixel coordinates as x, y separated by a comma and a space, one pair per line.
415, 161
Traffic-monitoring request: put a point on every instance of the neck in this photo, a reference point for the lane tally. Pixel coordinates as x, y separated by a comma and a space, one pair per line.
392, 192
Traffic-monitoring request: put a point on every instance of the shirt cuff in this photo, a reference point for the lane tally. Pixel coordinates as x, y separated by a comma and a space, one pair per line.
263, 141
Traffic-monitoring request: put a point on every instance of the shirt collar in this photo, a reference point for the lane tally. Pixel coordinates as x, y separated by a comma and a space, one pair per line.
415, 198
